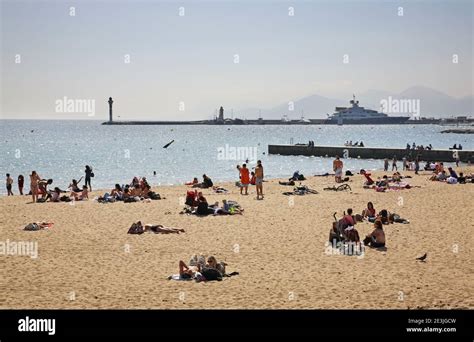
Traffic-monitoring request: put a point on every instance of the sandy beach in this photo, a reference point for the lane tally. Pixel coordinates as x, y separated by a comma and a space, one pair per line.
87, 260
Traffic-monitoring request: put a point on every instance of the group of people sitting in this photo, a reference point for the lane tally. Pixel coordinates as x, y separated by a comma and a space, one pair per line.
456, 147
344, 230
450, 177
197, 204
385, 183
206, 182
136, 191
76, 193
356, 144
419, 147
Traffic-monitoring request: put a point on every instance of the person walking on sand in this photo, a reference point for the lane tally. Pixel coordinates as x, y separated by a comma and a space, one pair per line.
394, 163
9, 185
34, 179
337, 166
244, 179
21, 182
259, 179
89, 174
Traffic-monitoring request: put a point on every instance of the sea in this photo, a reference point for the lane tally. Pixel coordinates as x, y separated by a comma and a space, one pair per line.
60, 149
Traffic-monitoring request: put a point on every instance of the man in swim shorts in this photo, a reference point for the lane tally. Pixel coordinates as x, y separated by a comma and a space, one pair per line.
244, 179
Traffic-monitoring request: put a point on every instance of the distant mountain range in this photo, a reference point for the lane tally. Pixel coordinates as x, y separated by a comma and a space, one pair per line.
433, 103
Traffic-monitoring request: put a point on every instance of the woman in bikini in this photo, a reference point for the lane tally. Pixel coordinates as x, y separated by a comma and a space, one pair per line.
34, 179
369, 212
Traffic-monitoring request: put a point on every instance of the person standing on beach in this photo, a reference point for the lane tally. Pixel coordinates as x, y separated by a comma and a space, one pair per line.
89, 174
417, 165
244, 179
34, 179
337, 166
259, 179
394, 163
385, 165
9, 185
21, 182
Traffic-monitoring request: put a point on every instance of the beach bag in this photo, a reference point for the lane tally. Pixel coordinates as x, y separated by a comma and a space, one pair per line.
92, 174
32, 226
211, 274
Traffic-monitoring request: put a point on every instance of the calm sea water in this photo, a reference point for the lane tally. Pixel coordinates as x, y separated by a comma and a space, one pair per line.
61, 149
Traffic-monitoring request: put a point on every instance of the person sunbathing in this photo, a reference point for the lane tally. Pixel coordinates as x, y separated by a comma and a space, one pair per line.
187, 272
376, 239
84, 195
369, 212
160, 229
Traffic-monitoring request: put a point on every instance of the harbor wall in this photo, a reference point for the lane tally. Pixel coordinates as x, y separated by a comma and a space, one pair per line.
370, 152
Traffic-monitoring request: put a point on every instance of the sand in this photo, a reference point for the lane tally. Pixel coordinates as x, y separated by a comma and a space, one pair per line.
278, 246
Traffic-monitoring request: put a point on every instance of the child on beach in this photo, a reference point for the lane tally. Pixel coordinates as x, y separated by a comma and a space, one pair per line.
9, 185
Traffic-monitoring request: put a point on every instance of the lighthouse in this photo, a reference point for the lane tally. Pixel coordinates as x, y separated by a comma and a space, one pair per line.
110, 109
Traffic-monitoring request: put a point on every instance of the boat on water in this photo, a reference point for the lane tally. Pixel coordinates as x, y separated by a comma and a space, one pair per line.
357, 115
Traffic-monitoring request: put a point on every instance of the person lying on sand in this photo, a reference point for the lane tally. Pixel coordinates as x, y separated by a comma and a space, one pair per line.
160, 229
39, 225
187, 272
376, 239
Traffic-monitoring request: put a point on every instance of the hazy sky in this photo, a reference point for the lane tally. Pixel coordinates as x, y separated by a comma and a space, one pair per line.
191, 58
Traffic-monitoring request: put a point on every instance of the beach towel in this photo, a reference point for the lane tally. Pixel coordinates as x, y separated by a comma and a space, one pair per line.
178, 277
